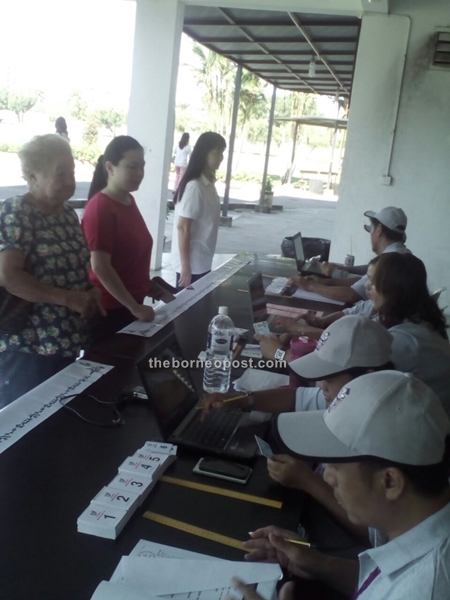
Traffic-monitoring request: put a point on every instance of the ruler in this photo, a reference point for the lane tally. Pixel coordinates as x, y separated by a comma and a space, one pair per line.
210, 489
193, 530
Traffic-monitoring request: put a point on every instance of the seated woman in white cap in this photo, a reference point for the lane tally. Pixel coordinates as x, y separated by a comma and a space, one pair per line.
387, 234
386, 444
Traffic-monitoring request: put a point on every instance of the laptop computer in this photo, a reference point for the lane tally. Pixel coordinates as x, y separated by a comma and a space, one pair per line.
304, 267
174, 399
258, 304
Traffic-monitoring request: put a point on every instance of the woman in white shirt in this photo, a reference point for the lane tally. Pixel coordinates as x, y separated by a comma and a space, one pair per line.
405, 307
182, 153
197, 212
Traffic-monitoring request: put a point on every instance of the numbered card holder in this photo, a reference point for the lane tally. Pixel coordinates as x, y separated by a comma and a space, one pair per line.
139, 485
159, 448
108, 496
136, 466
103, 522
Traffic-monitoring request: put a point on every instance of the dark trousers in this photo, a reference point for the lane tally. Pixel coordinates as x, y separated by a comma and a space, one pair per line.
194, 278
101, 328
20, 372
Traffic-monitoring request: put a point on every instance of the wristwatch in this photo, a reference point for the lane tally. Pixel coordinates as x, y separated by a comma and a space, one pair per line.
250, 401
280, 354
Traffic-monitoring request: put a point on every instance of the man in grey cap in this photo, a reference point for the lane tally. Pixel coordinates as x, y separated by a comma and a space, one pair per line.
385, 440
346, 349
387, 234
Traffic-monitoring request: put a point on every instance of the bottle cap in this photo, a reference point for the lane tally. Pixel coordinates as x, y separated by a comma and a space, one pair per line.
223, 310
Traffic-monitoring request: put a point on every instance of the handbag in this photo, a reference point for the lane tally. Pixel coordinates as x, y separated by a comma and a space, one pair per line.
14, 311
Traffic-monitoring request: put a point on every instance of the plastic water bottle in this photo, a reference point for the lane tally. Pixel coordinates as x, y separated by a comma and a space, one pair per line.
219, 349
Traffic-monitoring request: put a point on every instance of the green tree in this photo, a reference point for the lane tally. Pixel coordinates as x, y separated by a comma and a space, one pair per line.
3, 99
21, 102
78, 107
109, 118
90, 133
216, 75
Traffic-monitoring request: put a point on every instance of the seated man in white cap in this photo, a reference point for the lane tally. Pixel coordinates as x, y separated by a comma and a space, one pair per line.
386, 443
387, 234
349, 348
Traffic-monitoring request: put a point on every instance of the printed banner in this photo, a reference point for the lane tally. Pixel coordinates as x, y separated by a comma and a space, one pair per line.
28, 411
186, 298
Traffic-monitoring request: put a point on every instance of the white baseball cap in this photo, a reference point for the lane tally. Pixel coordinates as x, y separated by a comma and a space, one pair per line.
391, 217
352, 341
388, 415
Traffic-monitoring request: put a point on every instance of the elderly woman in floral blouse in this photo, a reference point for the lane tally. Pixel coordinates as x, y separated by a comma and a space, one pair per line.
44, 259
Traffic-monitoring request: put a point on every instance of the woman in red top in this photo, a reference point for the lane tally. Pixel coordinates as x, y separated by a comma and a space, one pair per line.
118, 238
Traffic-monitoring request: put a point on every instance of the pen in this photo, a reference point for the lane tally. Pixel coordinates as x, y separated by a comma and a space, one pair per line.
227, 400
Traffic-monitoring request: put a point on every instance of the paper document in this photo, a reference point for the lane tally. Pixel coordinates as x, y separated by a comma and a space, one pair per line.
149, 550
304, 295
210, 580
278, 285
291, 311
115, 591
255, 380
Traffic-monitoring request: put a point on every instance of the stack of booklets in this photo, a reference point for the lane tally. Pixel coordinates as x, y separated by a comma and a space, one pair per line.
113, 506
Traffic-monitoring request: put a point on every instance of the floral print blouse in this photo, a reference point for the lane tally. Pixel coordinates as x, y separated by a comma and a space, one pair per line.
57, 254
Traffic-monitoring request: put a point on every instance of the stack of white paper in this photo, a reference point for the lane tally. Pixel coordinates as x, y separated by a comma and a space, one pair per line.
255, 380
114, 505
161, 571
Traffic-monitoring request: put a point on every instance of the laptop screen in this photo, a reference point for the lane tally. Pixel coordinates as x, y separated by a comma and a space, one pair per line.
298, 249
168, 386
257, 298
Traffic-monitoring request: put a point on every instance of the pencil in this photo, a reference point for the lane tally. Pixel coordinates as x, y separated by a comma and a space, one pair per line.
227, 400
299, 542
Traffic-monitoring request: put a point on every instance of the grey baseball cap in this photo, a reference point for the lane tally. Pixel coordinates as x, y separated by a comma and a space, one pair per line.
391, 217
388, 415
352, 341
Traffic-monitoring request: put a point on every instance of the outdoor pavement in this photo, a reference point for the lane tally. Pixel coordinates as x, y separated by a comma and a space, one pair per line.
312, 214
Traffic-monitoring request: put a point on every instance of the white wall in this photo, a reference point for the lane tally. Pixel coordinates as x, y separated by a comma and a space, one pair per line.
420, 167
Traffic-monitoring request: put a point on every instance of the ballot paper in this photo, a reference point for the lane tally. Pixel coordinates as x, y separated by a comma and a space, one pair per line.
264, 447
292, 312
114, 591
255, 380
304, 295
278, 285
207, 579
149, 550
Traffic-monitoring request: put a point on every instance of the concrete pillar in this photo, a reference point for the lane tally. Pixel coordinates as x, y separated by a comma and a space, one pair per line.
151, 117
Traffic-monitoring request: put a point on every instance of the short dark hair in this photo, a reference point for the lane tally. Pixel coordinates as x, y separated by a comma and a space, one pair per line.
114, 152
402, 281
205, 144
428, 481
390, 234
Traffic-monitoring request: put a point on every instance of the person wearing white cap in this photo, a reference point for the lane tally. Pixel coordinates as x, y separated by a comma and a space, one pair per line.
385, 440
387, 234
348, 348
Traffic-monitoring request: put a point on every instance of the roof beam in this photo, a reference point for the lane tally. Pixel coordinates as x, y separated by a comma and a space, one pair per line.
307, 37
272, 23
264, 49
275, 40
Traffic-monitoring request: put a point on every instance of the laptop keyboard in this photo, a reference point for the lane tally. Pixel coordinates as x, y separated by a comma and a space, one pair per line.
215, 430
